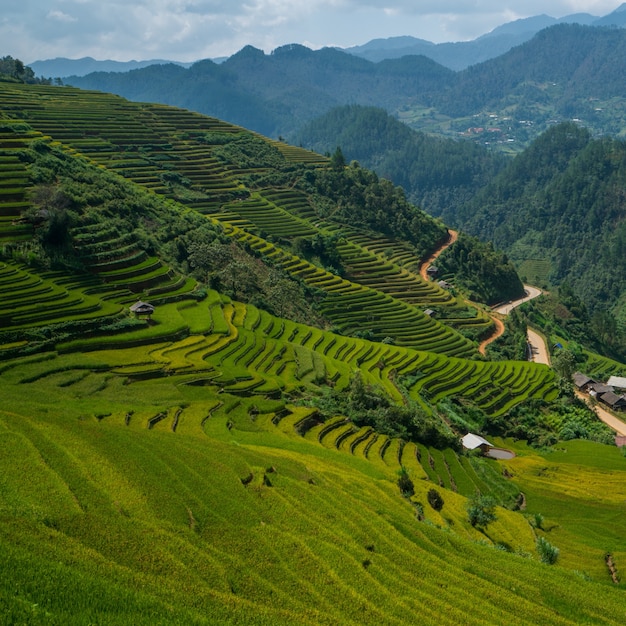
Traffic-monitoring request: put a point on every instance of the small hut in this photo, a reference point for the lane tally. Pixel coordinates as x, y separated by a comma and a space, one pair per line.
142, 308
472, 441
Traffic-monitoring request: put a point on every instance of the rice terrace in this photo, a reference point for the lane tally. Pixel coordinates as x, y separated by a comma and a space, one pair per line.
229, 396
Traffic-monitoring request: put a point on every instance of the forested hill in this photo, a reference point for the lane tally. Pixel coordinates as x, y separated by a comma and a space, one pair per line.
276, 93
568, 66
566, 71
562, 202
436, 173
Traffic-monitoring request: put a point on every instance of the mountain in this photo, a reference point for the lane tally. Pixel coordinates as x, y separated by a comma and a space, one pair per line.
566, 71
453, 55
561, 203
62, 67
460, 55
275, 94
223, 400
616, 18
568, 66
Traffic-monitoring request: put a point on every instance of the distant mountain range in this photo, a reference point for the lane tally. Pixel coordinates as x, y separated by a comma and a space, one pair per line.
459, 55
566, 71
62, 67
453, 55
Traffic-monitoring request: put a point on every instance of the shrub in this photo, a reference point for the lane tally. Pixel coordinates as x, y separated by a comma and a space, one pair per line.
435, 500
547, 552
407, 488
536, 521
481, 510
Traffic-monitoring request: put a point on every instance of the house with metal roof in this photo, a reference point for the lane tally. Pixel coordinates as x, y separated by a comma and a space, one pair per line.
472, 441
618, 382
142, 308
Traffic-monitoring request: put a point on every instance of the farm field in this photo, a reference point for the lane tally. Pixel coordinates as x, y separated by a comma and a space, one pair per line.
183, 466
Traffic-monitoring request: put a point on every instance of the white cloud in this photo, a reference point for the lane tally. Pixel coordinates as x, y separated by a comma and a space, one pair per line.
193, 29
61, 17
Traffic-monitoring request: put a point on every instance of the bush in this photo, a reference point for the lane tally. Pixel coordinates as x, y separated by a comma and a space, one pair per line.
481, 510
435, 500
547, 552
536, 521
407, 488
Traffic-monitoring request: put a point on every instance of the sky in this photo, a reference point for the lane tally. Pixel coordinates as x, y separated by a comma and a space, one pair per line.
188, 30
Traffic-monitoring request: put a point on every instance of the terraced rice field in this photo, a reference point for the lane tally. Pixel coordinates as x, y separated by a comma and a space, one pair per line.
171, 470
169, 143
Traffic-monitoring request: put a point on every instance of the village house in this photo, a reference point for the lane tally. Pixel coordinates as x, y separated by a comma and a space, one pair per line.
142, 308
582, 382
472, 442
612, 400
617, 382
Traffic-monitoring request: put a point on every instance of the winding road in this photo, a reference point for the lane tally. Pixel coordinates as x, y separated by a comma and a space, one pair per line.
453, 235
530, 292
505, 309
539, 350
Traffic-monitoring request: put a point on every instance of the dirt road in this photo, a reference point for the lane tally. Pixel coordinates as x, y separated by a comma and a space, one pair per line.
539, 351
452, 237
610, 420
498, 332
505, 309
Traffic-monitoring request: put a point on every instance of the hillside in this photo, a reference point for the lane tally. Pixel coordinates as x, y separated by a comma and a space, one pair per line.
438, 174
276, 93
556, 208
263, 446
564, 207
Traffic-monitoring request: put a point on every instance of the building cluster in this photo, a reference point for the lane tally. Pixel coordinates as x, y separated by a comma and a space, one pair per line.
612, 393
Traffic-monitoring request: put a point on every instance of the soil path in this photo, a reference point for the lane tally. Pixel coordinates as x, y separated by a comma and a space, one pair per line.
538, 349
498, 331
608, 418
530, 293
505, 309
452, 237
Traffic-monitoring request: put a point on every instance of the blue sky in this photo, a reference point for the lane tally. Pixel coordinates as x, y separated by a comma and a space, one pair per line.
187, 30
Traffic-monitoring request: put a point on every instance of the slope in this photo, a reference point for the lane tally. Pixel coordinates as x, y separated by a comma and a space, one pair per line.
182, 468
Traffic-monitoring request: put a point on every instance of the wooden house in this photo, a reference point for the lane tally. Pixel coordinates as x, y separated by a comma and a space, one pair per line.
142, 308
582, 381
612, 400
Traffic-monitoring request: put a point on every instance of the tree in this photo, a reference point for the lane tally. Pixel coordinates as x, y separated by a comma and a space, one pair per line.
564, 363
337, 160
481, 510
547, 552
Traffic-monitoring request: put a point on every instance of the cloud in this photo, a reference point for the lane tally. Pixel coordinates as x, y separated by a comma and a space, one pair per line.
60, 16
192, 29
